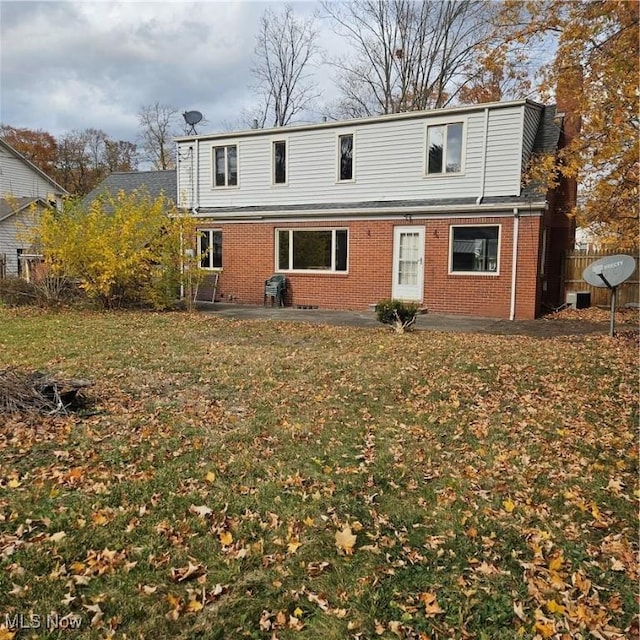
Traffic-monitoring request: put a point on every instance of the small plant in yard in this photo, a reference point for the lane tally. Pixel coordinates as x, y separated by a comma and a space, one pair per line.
398, 314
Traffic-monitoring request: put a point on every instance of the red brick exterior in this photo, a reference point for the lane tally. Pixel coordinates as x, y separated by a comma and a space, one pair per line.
248, 259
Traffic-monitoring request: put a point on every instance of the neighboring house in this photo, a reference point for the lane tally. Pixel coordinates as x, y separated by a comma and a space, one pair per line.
427, 206
155, 183
25, 191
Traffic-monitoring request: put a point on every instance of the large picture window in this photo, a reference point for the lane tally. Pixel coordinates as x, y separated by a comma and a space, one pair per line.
225, 166
311, 249
444, 148
210, 248
474, 249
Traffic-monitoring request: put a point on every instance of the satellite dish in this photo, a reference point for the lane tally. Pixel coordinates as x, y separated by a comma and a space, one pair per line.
609, 271
192, 118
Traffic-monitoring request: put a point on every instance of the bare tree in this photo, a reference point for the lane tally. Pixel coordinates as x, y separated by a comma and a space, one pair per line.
286, 48
408, 54
157, 123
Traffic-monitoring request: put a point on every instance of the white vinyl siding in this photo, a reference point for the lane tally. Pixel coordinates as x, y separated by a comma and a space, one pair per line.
390, 162
20, 180
14, 235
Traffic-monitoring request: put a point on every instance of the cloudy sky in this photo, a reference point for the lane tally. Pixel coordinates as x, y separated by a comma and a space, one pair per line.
73, 65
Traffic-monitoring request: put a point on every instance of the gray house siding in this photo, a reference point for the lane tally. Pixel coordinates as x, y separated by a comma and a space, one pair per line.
389, 160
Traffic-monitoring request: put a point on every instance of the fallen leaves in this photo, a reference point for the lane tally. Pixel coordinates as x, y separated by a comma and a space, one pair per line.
426, 488
345, 540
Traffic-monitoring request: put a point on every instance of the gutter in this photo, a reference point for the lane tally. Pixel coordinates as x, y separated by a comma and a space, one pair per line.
432, 211
514, 262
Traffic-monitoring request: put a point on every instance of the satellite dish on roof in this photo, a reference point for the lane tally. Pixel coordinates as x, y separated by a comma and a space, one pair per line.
192, 118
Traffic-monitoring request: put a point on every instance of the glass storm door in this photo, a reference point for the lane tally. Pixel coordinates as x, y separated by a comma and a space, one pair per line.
408, 259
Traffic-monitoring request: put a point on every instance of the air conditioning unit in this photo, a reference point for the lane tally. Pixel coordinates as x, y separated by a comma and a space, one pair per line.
578, 299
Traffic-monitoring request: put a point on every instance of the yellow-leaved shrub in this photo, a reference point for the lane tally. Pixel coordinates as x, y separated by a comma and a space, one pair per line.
122, 249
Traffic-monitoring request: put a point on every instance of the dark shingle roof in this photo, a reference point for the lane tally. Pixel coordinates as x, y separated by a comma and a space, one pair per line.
155, 182
11, 206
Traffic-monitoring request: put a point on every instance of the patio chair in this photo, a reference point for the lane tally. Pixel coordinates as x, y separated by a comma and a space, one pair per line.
274, 288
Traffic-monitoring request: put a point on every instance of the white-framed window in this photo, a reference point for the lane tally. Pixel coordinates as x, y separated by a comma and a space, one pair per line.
279, 162
312, 250
445, 148
225, 166
210, 248
346, 157
474, 249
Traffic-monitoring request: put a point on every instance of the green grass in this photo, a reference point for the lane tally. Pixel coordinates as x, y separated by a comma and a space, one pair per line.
491, 482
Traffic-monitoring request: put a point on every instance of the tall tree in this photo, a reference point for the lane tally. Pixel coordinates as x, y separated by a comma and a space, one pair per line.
594, 76
408, 55
286, 48
157, 127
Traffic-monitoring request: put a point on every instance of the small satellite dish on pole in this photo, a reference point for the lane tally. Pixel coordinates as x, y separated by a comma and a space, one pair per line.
610, 272
192, 118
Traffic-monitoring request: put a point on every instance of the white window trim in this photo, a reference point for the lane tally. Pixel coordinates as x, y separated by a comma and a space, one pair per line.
213, 165
199, 254
439, 122
490, 274
339, 135
275, 184
291, 230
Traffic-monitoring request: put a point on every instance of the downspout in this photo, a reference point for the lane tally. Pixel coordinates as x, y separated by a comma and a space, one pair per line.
484, 157
514, 262
196, 178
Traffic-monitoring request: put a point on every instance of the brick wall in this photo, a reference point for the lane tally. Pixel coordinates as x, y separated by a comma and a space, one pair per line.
248, 259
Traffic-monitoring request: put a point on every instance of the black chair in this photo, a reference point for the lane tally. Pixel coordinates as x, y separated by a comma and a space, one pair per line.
274, 288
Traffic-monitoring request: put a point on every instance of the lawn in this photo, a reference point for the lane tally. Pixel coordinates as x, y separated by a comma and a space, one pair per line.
268, 480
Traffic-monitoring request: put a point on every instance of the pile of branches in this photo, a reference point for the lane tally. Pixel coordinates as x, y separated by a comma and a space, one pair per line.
37, 392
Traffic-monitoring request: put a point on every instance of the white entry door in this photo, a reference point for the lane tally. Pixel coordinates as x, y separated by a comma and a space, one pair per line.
408, 259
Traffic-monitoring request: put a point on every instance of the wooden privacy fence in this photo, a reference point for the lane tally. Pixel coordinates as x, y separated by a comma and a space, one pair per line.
575, 262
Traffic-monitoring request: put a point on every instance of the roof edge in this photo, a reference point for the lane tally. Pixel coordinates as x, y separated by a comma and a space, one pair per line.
406, 115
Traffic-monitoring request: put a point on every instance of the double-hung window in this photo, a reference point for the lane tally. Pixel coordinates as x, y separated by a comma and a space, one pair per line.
444, 148
345, 157
225, 166
474, 249
280, 162
210, 248
311, 250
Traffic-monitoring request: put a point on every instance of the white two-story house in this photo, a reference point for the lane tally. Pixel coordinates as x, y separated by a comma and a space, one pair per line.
427, 206
24, 191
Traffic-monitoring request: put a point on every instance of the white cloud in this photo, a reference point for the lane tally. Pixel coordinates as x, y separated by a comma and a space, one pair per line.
73, 65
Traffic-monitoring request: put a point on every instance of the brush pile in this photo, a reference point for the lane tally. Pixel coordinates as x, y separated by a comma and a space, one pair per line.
37, 392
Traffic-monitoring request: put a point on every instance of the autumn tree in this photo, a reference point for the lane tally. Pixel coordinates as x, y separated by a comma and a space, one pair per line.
157, 127
77, 160
36, 145
597, 65
410, 55
123, 248
286, 49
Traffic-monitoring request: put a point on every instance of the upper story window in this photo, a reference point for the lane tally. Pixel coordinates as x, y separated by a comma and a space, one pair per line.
225, 166
345, 157
210, 248
280, 162
474, 249
444, 148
